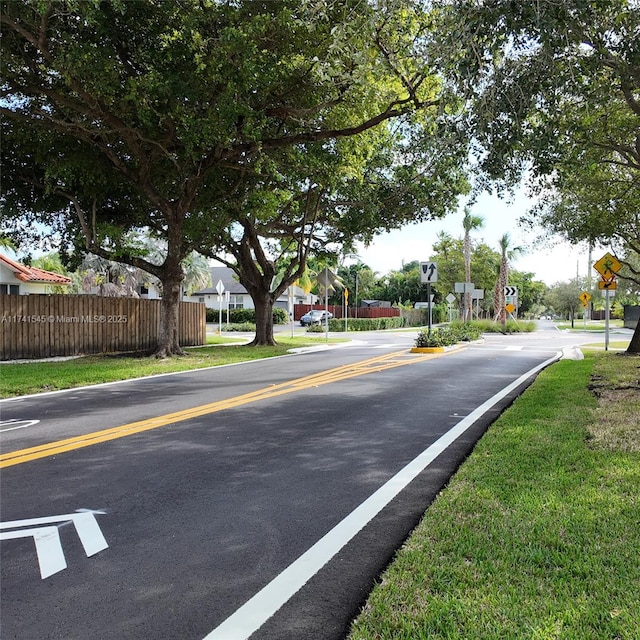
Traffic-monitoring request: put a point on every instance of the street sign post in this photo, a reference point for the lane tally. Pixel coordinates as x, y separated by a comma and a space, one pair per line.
584, 297
429, 274
607, 293
220, 290
511, 296
477, 295
450, 299
608, 266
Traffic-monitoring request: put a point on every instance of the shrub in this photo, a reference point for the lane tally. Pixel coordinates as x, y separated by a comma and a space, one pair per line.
367, 324
245, 326
447, 336
243, 316
511, 326
280, 316
316, 328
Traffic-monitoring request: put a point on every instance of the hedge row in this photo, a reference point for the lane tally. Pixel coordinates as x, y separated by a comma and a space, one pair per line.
366, 324
243, 316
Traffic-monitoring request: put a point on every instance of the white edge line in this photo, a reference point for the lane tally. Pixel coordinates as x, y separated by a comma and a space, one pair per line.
264, 604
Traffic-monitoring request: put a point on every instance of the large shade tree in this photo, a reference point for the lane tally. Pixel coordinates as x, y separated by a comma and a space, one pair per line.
449, 253
554, 90
319, 199
151, 115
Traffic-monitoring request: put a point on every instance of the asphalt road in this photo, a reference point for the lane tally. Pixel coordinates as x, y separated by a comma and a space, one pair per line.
257, 500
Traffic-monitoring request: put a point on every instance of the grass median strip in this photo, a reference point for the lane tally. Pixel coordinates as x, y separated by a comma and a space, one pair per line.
537, 535
35, 377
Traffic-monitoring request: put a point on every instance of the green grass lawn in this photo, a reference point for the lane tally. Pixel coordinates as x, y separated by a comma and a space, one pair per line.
617, 345
538, 534
590, 325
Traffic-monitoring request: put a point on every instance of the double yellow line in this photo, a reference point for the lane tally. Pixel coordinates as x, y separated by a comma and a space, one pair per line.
372, 365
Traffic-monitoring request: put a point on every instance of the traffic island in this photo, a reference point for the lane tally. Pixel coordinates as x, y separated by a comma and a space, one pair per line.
445, 338
427, 349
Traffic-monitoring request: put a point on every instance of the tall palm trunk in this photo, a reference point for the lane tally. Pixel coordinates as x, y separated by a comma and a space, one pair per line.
469, 223
467, 276
499, 299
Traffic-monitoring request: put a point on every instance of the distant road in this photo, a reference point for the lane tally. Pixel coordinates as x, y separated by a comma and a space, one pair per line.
262, 498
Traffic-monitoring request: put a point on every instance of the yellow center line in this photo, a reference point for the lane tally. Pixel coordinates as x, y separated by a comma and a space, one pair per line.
372, 365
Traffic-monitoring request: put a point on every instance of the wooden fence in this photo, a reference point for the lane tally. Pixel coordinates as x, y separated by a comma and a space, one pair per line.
43, 326
338, 312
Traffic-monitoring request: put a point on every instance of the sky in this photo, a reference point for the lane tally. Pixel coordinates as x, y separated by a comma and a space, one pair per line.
550, 264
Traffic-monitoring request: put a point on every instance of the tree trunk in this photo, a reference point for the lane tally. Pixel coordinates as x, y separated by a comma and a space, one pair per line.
264, 320
499, 311
468, 315
168, 339
634, 345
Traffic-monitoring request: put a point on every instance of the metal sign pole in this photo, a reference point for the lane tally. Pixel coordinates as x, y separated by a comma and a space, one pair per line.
606, 320
429, 299
220, 290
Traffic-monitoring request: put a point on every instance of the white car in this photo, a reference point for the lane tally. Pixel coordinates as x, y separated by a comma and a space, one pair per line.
315, 316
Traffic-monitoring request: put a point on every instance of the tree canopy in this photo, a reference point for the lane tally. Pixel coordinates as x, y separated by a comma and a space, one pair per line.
553, 90
152, 114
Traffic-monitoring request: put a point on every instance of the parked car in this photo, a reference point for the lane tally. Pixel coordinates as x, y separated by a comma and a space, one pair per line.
315, 316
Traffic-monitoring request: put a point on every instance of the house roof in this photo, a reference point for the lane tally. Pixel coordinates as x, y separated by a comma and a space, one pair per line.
32, 274
230, 281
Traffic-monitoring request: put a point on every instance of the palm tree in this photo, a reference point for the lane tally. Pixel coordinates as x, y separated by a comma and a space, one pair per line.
499, 300
197, 275
110, 278
7, 243
470, 223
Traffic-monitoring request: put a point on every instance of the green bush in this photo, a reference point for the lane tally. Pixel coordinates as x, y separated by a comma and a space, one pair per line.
366, 324
511, 326
280, 316
244, 326
447, 336
243, 316
316, 328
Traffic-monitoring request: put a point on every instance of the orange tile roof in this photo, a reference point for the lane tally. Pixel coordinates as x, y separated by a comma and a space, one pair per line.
32, 274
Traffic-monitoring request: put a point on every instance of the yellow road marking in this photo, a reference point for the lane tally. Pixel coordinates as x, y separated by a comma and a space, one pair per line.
381, 363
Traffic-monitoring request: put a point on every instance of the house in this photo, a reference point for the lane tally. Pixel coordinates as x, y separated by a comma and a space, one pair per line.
239, 298
20, 279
